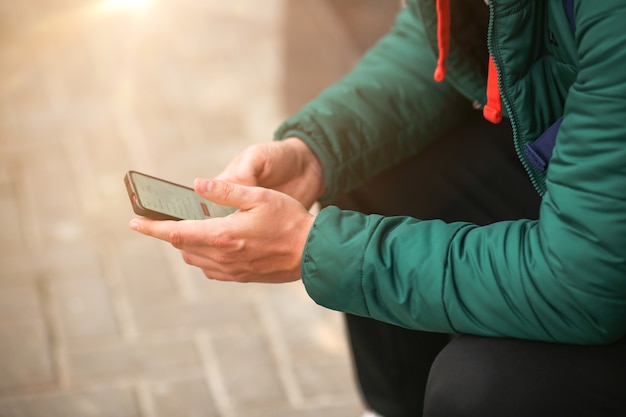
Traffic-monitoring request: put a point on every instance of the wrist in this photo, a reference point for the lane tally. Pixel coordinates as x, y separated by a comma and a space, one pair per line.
309, 162
303, 238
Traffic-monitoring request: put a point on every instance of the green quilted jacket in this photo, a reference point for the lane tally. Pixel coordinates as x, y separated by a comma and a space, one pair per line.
561, 278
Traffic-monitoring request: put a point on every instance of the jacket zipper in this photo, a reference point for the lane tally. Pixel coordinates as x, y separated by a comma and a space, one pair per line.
505, 97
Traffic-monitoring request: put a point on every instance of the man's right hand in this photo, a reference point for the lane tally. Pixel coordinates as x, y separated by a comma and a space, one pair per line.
288, 166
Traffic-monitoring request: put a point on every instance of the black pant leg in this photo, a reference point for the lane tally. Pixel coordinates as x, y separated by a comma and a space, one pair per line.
471, 174
392, 364
491, 377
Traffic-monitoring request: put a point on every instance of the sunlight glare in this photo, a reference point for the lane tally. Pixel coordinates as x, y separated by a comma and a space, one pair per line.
129, 5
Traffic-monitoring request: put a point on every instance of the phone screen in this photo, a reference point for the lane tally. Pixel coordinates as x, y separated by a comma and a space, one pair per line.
154, 195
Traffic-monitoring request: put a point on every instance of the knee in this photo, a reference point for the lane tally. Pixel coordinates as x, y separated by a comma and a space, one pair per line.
449, 396
465, 382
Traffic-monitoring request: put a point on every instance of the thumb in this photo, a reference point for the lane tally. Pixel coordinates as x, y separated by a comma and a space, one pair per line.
227, 193
246, 176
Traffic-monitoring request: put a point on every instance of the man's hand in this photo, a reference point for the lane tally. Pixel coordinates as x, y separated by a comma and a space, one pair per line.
288, 166
261, 242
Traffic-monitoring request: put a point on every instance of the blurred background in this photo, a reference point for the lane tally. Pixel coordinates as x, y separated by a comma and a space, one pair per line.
98, 321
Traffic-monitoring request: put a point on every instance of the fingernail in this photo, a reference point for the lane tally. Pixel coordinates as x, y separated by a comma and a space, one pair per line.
201, 184
134, 225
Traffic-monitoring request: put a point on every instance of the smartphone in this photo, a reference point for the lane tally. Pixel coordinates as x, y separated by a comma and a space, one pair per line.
164, 200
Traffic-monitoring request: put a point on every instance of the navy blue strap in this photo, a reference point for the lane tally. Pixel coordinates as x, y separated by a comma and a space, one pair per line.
540, 151
568, 5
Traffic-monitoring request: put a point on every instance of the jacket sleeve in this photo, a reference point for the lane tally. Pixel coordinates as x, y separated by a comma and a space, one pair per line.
387, 108
561, 278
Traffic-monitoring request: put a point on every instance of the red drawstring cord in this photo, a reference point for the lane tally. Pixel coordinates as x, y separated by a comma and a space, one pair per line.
493, 109
443, 37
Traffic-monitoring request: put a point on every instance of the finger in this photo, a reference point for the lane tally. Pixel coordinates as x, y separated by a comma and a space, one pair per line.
245, 175
160, 229
220, 276
246, 167
212, 269
178, 233
202, 261
228, 193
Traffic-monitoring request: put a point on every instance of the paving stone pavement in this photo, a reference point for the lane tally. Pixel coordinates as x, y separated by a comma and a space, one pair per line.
96, 320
